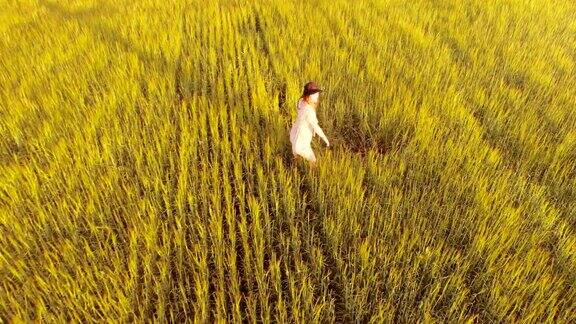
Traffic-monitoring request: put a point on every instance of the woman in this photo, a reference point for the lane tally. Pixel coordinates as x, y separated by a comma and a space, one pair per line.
306, 124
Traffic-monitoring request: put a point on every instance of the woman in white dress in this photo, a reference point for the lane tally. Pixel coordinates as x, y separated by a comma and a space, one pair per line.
306, 125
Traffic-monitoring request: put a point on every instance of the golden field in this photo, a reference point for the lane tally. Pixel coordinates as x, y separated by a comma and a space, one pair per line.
146, 172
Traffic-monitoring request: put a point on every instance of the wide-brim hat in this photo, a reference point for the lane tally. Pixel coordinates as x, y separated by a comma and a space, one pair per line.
311, 88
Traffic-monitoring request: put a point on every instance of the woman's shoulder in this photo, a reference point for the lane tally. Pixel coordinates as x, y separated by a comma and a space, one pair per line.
303, 104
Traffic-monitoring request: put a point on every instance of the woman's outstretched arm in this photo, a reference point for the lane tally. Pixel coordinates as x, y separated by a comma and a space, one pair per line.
317, 129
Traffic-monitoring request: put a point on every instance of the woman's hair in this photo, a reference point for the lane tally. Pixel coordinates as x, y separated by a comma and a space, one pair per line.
307, 99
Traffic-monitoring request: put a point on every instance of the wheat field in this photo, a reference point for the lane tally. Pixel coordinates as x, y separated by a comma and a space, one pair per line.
146, 172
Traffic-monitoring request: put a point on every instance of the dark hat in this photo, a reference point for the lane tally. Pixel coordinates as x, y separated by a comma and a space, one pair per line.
310, 88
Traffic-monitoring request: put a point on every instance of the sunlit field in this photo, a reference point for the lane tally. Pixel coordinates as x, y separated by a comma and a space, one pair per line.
146, 171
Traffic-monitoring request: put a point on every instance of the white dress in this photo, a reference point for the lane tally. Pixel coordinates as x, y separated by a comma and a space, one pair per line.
303, 129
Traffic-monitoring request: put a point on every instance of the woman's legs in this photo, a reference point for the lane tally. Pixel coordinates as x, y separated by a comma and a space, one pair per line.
310, 158
312, 164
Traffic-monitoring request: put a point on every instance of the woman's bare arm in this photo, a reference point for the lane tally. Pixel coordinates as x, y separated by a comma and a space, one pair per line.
313, 120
